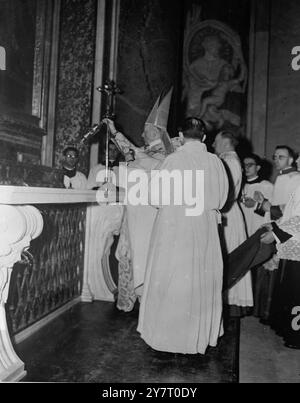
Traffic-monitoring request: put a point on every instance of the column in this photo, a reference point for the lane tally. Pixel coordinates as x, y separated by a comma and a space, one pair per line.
258, 75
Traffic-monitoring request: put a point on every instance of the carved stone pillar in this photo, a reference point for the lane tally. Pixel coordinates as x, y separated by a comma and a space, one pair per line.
18, 226
258, 91
103, 222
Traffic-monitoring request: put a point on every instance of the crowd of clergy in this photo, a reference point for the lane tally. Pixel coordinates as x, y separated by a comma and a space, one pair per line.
179, 263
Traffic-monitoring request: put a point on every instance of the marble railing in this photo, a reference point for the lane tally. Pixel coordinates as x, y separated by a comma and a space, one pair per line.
21, 221
50, 274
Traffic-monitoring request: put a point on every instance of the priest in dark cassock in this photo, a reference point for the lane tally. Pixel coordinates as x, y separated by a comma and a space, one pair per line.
273, 208
263, 279
73, 178
254, 183
253, 253
286, 182
285, 309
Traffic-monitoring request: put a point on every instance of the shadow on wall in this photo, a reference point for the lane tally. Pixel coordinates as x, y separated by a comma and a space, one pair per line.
266, 171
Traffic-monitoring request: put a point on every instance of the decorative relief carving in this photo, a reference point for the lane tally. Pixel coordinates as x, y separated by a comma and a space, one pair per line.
214, 70
48, 276
54, 275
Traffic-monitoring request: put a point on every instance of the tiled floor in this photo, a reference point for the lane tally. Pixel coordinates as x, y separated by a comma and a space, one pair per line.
263, 358
97, 343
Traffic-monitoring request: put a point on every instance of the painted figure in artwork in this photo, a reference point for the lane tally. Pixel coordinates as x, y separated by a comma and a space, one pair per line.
215, 74
205, 73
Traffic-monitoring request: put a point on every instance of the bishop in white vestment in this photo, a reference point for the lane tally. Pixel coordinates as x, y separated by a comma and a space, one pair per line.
139, 218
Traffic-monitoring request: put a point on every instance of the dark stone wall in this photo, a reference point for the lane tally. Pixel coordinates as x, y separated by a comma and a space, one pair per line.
276, 118
235, 13
75, 80
283, 123
74, 99
149, 59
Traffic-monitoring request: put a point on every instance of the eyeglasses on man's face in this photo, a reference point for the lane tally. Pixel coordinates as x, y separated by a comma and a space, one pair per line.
279, 157
249, 164
73, 156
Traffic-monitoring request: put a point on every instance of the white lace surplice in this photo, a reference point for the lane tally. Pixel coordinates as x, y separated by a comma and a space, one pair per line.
290, 223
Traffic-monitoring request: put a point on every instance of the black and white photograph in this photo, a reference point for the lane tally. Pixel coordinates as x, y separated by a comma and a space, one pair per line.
149, 194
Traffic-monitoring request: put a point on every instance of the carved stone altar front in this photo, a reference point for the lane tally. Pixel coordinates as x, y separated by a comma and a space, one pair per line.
21, 222
18, 226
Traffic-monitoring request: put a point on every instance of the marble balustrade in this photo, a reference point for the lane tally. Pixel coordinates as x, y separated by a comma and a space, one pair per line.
21, 222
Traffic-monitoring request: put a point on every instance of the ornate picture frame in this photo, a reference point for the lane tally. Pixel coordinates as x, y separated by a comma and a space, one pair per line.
24, 84
207, 80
